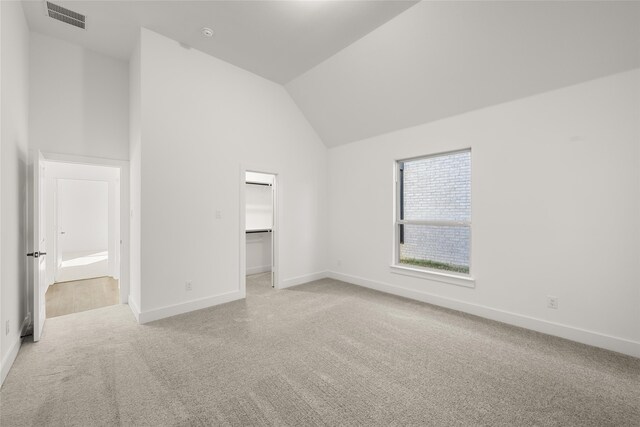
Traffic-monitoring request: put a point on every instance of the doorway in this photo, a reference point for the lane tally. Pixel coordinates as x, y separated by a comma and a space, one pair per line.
82, 223
43, 226
260, 232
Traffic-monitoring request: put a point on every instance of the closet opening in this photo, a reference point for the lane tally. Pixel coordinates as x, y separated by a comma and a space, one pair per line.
259, 232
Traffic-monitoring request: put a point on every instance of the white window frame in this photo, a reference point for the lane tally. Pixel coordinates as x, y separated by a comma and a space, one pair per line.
454, 278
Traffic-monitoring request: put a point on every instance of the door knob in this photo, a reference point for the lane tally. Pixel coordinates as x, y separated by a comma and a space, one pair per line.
36, 254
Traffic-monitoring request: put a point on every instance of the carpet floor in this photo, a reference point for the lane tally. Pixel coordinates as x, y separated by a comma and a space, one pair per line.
323, 353
81, 295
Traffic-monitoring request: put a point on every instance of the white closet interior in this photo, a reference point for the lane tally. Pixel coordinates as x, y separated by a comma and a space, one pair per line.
259, 222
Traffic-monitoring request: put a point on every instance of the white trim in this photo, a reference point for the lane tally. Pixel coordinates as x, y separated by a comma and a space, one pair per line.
9, 358
7, 362
242, 231
437, 154
84, 160
452, 279
186, 307
596, 339
134, 308
258, 270
295, 281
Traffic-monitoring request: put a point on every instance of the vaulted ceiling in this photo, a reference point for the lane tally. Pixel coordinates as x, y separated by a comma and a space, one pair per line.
439, 59
362, 68
278, 40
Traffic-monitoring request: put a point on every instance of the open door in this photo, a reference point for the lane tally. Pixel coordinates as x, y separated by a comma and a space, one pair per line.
39, 248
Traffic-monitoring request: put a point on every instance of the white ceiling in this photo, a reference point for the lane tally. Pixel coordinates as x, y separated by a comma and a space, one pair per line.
362, 68
278, 40
439, 59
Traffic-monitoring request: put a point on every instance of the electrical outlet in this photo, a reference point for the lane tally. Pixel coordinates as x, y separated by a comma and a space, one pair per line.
187, 286
7, 328
552, 302
218, 214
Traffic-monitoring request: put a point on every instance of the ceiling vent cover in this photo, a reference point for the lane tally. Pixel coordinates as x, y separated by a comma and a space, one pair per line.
65, 15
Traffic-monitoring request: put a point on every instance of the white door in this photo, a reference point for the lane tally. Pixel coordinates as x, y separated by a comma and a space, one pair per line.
39, 248
57, 260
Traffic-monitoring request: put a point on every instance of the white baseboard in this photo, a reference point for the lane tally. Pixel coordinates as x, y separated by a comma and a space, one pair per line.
186, 307
258, 270
134, 308
287, 283
596, 339
10, 357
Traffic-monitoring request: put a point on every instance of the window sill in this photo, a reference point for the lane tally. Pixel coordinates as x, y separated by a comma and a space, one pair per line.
452, 279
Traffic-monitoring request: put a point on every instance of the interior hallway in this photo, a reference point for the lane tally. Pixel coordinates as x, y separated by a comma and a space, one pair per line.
322, 353
81, 295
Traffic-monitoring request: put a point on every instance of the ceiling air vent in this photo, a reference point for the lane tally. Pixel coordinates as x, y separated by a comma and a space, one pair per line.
65, 15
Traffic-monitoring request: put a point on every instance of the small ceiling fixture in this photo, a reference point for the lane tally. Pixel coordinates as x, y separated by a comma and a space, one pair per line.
207, 32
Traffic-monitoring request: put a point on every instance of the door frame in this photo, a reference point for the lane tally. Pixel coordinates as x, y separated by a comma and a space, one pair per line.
275, 234
123, 166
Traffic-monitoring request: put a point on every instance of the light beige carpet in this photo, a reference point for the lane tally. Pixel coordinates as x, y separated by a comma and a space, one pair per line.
81, 295
324, 353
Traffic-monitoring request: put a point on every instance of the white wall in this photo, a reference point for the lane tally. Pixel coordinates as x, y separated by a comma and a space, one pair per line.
135, 170
259, 207
79, 106
14, 160
201, 120
79, 100
556, 211
2, 373
83, 215
258, 253
442, 58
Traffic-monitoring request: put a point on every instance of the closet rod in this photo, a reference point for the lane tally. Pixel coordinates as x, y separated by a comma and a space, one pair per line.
258, 183
258, 231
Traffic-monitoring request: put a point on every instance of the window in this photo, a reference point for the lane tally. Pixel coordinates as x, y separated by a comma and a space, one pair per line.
433, 215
